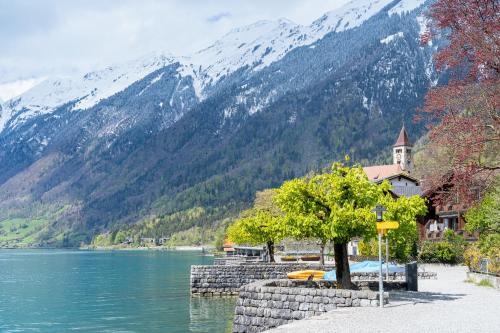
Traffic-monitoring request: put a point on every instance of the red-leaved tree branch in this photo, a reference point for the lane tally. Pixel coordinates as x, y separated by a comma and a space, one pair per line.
472, 29
464, 115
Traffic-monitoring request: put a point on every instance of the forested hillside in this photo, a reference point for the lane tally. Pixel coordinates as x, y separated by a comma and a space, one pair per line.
161, 152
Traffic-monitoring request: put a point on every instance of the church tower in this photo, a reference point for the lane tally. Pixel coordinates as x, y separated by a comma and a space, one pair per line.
402, 151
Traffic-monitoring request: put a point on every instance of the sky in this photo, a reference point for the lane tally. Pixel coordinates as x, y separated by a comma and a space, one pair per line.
41, 38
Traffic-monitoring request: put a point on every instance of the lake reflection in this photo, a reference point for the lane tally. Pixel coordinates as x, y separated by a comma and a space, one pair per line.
203, 310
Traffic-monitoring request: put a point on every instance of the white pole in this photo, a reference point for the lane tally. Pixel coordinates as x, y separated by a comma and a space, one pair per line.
380, 278
386, 258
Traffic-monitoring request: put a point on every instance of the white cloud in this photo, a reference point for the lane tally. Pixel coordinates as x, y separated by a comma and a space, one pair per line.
45, 37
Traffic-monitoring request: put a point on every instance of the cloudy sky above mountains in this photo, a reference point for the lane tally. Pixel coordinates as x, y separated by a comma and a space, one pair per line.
56, 37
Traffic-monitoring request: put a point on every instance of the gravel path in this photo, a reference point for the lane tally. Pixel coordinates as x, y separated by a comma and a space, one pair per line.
447, 304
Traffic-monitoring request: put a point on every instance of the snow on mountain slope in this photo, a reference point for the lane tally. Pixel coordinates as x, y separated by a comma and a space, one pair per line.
89, 88
405, 6
392, 38
256, 46
349, 16
264, 42
115, 79
12, 89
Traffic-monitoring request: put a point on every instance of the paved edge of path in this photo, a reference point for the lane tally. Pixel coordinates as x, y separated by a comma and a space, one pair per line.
447, 304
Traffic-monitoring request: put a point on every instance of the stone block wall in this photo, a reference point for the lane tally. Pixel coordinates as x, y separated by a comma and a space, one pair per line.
266, 304
373, 276
218, 280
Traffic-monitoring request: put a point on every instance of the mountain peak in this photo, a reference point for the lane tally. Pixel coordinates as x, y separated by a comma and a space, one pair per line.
349, 16
90, 88
250, 47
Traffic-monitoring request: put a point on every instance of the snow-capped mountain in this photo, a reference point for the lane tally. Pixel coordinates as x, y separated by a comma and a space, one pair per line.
157, 136
85, 90
255, 46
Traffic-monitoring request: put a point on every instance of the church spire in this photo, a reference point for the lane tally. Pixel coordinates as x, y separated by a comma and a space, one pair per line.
402, 151
403, 139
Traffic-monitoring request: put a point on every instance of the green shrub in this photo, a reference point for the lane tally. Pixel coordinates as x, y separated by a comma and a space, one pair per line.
451, 237
488, 247
489, 243
472, 257
400, 251
440, 252
484, 217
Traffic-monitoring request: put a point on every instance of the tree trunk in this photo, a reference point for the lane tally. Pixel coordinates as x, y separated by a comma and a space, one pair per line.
270, 250
342, 266
322, 254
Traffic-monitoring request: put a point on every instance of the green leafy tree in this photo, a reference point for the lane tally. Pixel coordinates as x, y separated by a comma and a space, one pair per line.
484, 217
120, 237
333, 206
219, 239
306, 213
402, 241
262, 224
257, 227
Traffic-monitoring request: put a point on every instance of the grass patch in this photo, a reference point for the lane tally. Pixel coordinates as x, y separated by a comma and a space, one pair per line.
20, 231
469, 280
485, 283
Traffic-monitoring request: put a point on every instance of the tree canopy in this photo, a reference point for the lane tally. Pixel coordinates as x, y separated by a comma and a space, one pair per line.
334, 206
331, 206
484, 217
404, 210
263, 224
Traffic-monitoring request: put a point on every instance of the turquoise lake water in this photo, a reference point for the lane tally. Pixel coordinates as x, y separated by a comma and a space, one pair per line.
108, 291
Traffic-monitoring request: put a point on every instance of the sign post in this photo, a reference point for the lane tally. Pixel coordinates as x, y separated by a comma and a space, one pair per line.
380, 278
386, 258
379, 211
382, 227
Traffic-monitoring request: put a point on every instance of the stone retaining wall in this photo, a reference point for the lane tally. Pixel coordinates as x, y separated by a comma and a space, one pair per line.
217, 280
266, 304
477, 277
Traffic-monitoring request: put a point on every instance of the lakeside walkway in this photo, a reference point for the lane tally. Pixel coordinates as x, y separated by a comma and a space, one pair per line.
447, 304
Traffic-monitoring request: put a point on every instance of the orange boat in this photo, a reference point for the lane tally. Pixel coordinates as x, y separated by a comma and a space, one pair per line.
305, 275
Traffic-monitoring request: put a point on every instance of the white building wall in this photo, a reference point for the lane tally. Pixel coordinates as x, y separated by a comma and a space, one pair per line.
402, 182
403, 155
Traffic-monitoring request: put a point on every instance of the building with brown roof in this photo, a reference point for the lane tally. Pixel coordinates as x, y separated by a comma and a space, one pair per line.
397, 174
441, 216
